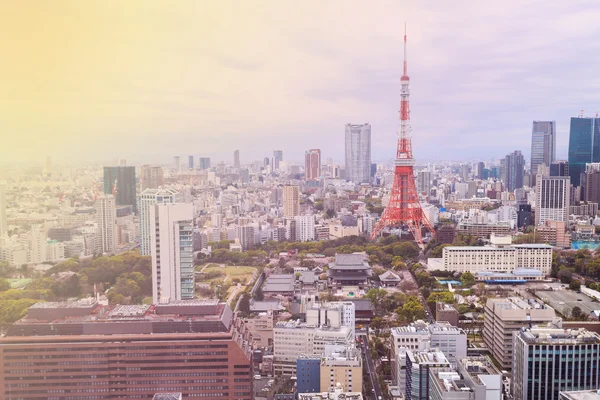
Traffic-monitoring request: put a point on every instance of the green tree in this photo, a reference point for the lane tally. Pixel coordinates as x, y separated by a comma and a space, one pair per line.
412, 310
575, 285
467, 279
4, 284
406, 250
376, 295
244, 304
576, 313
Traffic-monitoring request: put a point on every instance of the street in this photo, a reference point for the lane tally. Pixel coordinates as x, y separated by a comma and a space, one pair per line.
371, 368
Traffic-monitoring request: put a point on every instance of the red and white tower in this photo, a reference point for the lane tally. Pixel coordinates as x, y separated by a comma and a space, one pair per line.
404, 209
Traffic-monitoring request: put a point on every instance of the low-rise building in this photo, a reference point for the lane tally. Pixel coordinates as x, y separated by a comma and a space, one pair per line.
261, 328
349, 270
499, 256
344, 367
418, 368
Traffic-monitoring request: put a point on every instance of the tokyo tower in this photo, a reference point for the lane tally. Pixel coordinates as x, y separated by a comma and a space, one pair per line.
404, 209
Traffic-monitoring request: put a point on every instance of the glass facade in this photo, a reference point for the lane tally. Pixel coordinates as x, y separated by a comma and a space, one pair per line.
358, 153
543, 144
584, 146
124, 177
186, 260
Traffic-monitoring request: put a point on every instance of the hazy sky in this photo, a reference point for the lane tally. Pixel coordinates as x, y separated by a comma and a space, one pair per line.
147, 80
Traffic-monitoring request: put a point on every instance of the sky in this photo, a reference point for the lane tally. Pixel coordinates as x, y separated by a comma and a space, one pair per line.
148, 80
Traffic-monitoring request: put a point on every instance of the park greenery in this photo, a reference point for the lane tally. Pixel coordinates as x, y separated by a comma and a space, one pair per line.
126, 279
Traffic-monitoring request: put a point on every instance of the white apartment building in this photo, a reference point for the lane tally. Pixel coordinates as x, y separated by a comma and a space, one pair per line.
332, 314
499, 256
305, 228
106, 217
146, 202
172, 254
292, 339
421, 336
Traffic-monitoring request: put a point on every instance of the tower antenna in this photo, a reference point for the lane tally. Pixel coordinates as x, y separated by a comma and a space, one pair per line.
404, 209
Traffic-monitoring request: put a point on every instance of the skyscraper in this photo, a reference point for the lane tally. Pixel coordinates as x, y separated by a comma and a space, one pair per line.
172, 253
592, 183
312, 164
3, 221
423, 181
204, 163
191, 162
543, 145
584, 146
291, 201
512, 170
148, 199
559, 168
552, 199
122, 181
236, 159
106, 217
358, 153
152, 177
277, 157
177, 161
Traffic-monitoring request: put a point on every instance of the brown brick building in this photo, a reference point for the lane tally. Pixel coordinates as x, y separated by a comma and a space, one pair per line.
79, 351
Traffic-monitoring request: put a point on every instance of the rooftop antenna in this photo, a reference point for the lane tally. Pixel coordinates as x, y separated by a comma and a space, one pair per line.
581, 114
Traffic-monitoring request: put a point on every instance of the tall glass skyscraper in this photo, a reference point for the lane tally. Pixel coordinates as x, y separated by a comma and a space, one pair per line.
123, 180
584, 146
511, 170
358, 153
543, 144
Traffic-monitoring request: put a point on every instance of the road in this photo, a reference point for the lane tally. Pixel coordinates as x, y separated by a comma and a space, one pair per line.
372, 371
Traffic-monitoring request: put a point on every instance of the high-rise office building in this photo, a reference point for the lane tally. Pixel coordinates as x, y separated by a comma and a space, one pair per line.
277, 157
423, 181
86, 351
177, 161
559, 168
547, 361
358, 153
172, 253
552, 199
121, 181
543, 145
584, 146
152, 177
3, 221
512, 170
312, 164
106, 217
148, 199
191, 162
236, 159
291, 201
592, 183
204, 163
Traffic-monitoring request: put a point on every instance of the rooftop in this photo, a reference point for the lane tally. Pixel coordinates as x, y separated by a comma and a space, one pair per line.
167, 396
556, 336
350, 261
427, 357
79, 318
449, 380
580, 395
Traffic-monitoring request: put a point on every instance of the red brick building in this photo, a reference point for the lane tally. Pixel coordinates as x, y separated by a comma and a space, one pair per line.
79, 351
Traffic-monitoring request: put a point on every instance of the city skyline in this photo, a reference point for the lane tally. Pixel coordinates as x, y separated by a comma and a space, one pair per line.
157, 86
